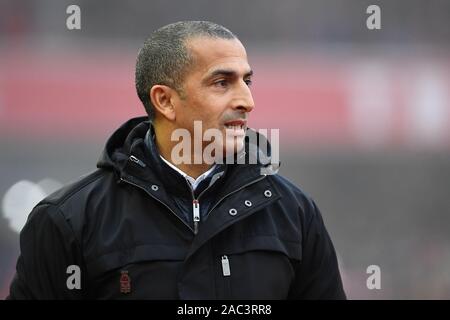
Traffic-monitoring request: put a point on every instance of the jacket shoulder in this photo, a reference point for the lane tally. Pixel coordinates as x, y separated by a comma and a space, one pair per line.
75, 198
79, 186
291, 194
290, 190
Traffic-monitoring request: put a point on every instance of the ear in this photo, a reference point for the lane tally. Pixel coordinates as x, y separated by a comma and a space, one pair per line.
162, 98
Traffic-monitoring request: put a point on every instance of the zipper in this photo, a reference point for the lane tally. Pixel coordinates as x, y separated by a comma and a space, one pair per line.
145, 189
195, 201
226, 277
196, 213
226, 266
195, 206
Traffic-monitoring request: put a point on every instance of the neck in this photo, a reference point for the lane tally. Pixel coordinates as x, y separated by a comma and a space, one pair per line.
165, 147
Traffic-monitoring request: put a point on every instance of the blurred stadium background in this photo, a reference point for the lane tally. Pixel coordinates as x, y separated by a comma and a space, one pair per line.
364, 116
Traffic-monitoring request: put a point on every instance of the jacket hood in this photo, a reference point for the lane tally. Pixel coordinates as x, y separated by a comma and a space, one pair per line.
118, 147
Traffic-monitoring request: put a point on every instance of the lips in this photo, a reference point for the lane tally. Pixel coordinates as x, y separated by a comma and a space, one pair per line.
235, 124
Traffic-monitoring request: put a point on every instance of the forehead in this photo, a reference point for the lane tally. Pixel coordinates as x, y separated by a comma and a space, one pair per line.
210, 54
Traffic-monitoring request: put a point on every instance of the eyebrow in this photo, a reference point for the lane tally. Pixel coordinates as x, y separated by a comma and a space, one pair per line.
227, 73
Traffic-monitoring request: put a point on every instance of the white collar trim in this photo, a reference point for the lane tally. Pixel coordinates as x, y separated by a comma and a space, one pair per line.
193, 182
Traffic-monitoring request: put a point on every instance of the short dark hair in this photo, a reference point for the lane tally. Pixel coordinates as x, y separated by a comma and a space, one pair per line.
164, 57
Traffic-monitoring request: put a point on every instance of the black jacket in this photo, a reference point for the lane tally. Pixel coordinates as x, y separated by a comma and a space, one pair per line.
128, 226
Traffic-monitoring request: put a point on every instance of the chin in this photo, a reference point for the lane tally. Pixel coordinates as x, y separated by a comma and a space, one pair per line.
233, 146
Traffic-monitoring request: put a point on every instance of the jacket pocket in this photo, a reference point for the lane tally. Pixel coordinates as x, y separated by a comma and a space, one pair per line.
256, 267
141, 272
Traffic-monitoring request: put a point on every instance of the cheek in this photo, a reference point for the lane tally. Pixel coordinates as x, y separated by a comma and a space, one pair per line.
206, 107
187, 112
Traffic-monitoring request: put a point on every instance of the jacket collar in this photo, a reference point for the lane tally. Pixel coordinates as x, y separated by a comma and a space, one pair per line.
130, 151
172, 179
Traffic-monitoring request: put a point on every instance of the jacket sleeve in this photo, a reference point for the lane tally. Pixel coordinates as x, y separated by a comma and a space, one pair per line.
317, 275
47, 248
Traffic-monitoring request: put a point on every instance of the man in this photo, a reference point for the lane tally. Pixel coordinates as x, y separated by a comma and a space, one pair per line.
146, 225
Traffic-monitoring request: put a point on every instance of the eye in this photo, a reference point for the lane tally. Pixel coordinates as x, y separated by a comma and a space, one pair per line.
221, 83
248, 82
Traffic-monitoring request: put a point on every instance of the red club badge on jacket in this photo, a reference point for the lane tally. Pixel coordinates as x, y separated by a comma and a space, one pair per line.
125, 282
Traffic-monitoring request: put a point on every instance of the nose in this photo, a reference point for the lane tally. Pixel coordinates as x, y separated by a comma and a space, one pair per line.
243, 100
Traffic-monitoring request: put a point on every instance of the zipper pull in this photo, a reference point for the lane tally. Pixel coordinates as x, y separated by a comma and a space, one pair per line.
138, 161
226, 266
196, 213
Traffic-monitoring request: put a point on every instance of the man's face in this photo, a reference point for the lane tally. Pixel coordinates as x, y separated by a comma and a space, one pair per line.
216, 91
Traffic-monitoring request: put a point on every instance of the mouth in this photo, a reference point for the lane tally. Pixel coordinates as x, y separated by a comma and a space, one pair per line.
238, 124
